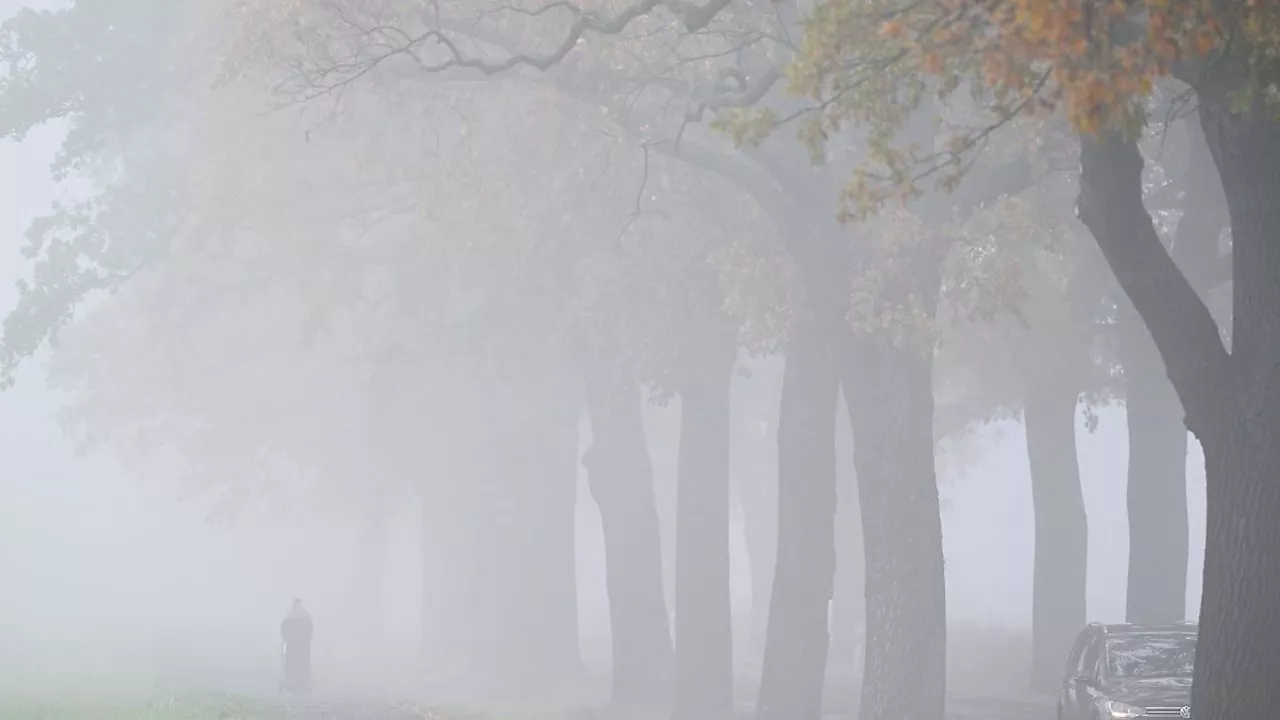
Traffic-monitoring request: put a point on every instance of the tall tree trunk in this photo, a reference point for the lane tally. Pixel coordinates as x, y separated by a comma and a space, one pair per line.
754, 473
621, 480
848, 606
1157, 491
760, 538
703, 622
796, 642
538, 490
1061, 535
1230, 398
1158, 523
1238, 654
889, 394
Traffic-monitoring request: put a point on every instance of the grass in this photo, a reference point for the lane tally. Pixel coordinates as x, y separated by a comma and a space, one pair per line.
982, 661
186, 707
215, 706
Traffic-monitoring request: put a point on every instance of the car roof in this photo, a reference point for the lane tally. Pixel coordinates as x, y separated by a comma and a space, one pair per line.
1187, 628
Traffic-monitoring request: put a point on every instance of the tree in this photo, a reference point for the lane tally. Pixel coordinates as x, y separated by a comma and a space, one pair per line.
1097, 63
819, 249
754, 475
93, 65
495, 306
1187, 206
312, 80
1038, 351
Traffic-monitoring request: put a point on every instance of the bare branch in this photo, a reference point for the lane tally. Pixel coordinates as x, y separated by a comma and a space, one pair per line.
644, 185
378, 44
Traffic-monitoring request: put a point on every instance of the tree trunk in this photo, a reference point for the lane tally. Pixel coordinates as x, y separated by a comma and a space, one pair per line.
703, 622
1238, 654
1158, 526
621, 480
754, 473
796, 641
848, 607
889, 394
1061, 536
761, 541
1157, 491
1230, 399
536, 552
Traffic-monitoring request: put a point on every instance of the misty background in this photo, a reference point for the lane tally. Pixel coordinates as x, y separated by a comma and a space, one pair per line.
114, 581
110, 577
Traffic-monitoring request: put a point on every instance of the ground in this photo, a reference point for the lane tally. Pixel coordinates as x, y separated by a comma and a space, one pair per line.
986, 675
221, 707
226, 707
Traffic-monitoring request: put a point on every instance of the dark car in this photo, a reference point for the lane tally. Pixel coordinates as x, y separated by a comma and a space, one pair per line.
1116, 672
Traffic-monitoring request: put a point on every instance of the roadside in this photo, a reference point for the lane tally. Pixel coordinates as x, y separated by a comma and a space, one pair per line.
229, 707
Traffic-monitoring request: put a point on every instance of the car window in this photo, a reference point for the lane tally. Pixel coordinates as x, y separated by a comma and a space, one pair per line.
1089, 660
1077, 650
1149, 655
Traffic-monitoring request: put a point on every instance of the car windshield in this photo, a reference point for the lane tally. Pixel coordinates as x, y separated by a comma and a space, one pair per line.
1139, 655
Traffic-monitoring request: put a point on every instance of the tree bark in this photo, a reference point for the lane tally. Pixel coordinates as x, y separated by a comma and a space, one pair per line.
1061, 536
796, 640
1238, 654
848, 606
889, 393
1230, 400
703, 619
621, 480
1157, 490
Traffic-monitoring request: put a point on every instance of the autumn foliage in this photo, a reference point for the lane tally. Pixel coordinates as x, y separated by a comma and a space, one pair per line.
873, 63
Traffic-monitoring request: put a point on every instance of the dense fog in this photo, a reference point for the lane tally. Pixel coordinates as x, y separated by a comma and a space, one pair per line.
431, 349
117, 583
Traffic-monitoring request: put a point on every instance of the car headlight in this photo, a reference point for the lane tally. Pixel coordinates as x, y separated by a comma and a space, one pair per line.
1120, 710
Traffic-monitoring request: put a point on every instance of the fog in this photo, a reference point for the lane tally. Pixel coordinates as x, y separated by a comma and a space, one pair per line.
260, 414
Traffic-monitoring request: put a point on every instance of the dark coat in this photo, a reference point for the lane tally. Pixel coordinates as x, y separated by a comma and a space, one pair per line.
295, 631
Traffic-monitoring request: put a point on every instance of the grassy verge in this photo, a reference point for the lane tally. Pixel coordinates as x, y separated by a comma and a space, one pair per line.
187, 707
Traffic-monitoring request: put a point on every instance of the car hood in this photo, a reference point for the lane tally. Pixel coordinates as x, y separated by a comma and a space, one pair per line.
1151, 691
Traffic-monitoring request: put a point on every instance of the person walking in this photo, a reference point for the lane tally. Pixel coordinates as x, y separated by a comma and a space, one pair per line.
295, 632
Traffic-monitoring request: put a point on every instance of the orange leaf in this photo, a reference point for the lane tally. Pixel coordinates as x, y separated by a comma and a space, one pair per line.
892, 29
1203, 41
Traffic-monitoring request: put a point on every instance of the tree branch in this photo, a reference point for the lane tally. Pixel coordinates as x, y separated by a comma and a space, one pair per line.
388, 43
1180, 323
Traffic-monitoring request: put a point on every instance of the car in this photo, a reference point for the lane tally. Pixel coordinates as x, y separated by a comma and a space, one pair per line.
1118, 672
